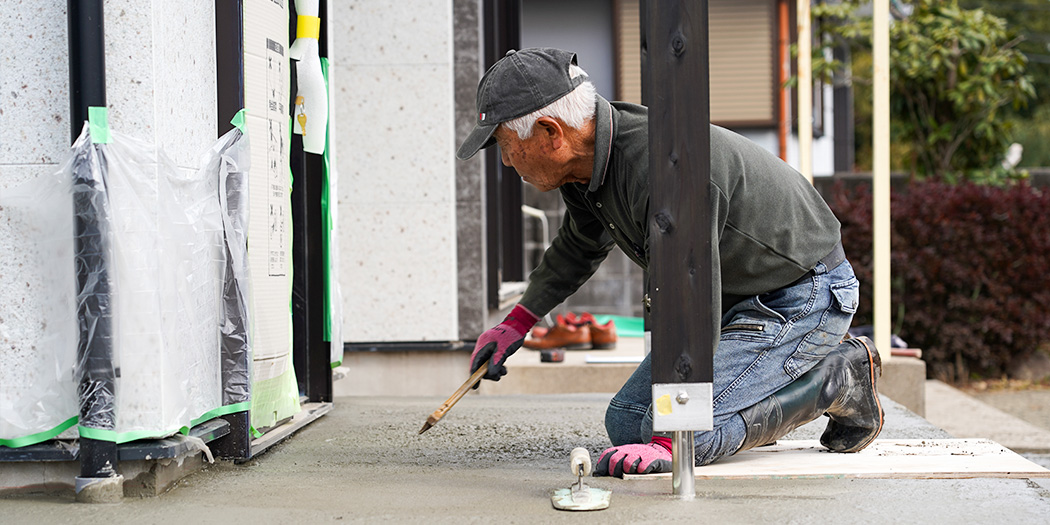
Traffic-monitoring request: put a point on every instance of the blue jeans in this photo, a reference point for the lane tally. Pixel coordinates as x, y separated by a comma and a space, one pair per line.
766, 342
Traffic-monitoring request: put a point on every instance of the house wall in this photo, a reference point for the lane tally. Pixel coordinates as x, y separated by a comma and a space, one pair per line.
394, 66
34, 135
160, 81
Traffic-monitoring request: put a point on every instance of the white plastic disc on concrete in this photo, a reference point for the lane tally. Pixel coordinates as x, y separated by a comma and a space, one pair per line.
589, 498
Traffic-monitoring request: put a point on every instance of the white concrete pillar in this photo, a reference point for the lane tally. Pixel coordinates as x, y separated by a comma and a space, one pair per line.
394, 115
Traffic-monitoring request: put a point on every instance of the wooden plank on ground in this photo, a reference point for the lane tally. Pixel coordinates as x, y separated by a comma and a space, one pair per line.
308, 414
889, 459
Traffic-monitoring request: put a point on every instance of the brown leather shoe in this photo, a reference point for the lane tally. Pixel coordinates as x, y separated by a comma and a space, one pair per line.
539, 332
562, 335
603, 336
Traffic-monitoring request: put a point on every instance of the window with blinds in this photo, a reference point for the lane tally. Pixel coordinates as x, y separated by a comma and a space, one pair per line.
742, 53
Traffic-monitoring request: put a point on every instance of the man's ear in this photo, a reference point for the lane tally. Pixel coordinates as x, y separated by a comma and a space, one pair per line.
552, 130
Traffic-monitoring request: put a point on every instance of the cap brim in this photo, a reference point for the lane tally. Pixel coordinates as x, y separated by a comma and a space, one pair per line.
480, 137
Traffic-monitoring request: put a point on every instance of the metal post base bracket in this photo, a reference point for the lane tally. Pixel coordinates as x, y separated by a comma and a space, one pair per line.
579, 496
682, 406
683, 450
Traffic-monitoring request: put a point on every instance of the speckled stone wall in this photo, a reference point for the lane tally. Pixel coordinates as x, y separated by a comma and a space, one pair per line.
160, 79
34, 134
160, 83
34, 93
397, 187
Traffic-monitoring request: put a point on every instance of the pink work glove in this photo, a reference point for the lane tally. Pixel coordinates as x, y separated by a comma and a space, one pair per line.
636, 458
500, 342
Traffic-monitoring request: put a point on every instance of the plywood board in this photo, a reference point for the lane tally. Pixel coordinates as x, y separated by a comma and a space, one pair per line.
890, 459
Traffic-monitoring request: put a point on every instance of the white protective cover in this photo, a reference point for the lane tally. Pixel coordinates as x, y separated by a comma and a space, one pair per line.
168, 262
38, 332
165, 261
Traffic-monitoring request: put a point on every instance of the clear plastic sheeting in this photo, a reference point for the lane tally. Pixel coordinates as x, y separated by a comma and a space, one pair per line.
38, 327
163, 301
95, 371
230, 158
334, 295
166, 267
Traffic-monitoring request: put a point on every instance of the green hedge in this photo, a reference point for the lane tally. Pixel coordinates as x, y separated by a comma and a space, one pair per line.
971, 271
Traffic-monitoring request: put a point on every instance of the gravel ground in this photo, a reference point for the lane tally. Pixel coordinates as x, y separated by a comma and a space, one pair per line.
498, 459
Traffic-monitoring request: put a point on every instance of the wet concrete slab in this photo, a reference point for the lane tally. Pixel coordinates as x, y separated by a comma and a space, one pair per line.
499, 459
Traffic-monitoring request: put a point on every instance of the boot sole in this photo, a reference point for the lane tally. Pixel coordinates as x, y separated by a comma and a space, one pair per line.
875, 371
875, 360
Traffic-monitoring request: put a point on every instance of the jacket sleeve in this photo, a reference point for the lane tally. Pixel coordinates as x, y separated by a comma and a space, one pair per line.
573, 256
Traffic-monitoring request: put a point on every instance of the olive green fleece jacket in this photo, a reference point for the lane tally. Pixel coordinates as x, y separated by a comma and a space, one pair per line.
770, 224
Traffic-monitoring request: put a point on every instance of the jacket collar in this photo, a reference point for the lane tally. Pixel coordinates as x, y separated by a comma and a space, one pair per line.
603, 139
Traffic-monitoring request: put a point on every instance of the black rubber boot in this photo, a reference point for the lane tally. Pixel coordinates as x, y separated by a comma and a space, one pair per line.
857, 418
842, 386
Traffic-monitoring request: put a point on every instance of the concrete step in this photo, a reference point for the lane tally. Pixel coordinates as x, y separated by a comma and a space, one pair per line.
966, 417
903, 378
439, 373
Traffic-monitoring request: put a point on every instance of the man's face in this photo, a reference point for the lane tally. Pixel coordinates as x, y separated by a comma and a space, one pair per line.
532, 158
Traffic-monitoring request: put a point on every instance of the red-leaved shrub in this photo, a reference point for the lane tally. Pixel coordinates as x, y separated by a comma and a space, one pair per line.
971, 271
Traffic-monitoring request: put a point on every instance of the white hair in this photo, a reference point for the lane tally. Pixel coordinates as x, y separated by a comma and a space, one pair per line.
574, 109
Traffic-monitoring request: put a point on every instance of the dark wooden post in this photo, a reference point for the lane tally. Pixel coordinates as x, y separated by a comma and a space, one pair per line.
675, 80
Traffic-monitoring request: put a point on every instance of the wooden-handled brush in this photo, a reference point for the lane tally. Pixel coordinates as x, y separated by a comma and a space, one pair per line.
456, 396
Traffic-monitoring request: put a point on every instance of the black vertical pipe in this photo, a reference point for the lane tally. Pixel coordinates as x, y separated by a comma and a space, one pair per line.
229, 61
643, 25
236, 356
511, 187
94, 370
321, 388
843, 104
681, 261
311, 354
643, 40
87, 61
494, 252
503, 188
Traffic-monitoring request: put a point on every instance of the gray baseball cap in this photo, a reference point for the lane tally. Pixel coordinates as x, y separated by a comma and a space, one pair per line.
518, 84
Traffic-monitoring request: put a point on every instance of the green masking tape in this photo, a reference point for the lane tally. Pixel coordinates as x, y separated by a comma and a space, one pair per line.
33, 439
124, 437
326, 230
238, 121
101, 434
221, 411
98, 122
